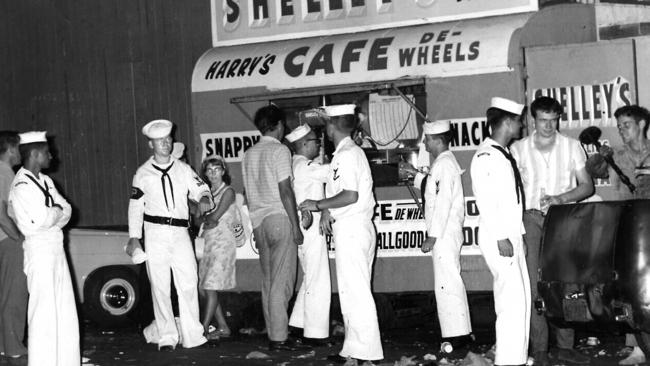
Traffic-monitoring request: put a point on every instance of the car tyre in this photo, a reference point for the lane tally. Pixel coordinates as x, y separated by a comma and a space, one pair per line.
111, 296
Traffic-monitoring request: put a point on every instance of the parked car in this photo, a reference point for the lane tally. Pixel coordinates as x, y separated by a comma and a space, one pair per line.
106, 282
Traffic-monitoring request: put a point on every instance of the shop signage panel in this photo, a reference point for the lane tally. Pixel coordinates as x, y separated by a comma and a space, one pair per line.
237, 22
400, 231
433, 50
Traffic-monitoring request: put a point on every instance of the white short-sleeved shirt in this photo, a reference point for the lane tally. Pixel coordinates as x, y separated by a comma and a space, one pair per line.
265, 165
553, 171
349, 170
6, 178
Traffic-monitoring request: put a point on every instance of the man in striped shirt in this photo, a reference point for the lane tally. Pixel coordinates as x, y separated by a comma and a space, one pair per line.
269, 190
552, 168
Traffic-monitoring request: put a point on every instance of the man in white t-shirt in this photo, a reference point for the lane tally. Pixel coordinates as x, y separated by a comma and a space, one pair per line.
552, 168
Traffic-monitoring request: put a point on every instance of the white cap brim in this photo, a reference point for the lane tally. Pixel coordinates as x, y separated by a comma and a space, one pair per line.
437, 127
157, 129
507, 105
298, 133
339, 110
33, 136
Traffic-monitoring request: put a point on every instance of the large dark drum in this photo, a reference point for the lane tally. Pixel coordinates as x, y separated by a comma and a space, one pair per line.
594, 263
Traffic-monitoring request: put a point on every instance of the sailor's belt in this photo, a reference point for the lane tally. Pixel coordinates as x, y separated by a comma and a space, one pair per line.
166, 221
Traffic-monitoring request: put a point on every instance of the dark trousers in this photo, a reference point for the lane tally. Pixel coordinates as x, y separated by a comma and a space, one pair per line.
13, 298
533, 223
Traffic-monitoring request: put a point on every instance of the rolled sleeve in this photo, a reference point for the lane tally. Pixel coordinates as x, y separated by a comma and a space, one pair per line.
283, 166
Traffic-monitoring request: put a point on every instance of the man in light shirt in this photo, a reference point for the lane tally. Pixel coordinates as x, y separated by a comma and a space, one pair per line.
311, 311
552, 168
266, 170
351, 204
500, 198
13, 284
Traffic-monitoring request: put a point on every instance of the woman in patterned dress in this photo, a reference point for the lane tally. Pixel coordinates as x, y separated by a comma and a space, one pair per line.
217, 266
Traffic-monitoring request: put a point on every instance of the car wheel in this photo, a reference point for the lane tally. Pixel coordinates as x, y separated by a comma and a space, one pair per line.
111, 296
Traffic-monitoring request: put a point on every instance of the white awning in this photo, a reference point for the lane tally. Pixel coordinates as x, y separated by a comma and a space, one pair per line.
467, 47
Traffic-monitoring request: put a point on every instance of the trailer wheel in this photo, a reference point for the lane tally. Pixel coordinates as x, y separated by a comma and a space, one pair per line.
111, 296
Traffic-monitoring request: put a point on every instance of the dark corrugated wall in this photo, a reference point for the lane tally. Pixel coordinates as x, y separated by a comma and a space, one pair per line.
91, 73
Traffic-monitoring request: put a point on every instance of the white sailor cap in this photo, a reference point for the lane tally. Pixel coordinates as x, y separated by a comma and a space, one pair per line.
32, 136
157, 129
436, 127
178, 149
339, 110
507, 105
298, 133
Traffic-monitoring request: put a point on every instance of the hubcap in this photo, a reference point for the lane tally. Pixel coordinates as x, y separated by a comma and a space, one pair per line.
117, 296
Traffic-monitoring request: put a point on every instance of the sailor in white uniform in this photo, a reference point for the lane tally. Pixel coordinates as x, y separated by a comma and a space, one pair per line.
351, 204
500, 199
444, 214
311, 311
40, 213
159, 199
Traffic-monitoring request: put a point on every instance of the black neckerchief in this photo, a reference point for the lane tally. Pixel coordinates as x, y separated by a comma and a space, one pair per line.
518, 182
162, 181
49, 201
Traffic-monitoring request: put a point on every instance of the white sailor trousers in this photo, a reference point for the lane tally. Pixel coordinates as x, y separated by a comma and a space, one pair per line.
53, 326
169, 248
311, 310
354, 239
451, 297
511, 301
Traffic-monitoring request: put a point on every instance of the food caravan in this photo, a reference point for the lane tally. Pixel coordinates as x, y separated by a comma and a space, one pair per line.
400, 77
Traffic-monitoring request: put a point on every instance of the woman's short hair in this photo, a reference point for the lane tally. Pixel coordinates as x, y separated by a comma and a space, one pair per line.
215, 160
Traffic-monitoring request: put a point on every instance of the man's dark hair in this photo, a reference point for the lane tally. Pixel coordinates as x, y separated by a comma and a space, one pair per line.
26, 149
636, 112
345, 123
545, 104
496, 116
8, 139
267, 118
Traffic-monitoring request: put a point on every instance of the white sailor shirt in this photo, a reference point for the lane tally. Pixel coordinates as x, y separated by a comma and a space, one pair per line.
349, 170
162, 190
309, 178
31, 202
444, 202
495, 188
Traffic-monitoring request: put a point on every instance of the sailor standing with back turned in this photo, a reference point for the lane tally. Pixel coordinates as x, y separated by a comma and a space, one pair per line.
351, 204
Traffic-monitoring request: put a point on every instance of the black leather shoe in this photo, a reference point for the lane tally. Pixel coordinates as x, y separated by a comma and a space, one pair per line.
338, 359
287, 345
166, 348
317, 342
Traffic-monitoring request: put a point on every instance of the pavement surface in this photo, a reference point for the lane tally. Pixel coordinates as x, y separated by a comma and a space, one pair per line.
409, 337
